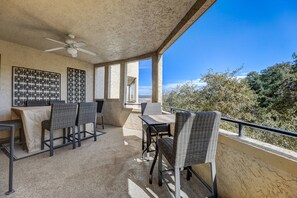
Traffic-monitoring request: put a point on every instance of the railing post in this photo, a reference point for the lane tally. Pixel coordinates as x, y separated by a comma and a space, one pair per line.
240, 130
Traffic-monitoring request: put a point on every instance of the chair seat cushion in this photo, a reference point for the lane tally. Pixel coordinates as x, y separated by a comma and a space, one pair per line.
165, 146
45, 124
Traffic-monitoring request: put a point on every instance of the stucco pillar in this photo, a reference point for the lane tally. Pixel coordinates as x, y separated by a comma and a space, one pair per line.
157, 78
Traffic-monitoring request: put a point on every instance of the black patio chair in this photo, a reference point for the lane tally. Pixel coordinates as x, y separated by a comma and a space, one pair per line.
151, 132
100, 104
30, 103
56, 102
63, 116
86, 114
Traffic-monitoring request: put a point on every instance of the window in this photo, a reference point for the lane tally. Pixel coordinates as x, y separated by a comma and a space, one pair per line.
99, 82
114, 81
138, 82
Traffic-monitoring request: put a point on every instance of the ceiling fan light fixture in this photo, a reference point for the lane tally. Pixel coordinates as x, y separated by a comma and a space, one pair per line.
72, 51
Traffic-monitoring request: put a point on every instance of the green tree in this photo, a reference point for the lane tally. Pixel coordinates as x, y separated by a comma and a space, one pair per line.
276, 88
267, 98
229, 95
183, 96
223, 92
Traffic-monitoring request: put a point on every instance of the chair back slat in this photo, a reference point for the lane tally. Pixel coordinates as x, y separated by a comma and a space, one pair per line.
63, 115
86, 113
195, 137
151, 109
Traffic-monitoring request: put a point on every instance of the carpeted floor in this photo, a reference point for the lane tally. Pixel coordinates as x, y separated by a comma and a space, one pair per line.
110, 167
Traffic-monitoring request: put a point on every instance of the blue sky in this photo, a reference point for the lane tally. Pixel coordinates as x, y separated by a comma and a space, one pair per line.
232, 33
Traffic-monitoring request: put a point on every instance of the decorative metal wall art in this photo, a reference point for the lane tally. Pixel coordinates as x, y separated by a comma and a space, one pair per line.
76, 85
31, 84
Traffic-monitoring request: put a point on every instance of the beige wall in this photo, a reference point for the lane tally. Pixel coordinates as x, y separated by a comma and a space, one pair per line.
249, 168
114, 81
133, 121
18, 55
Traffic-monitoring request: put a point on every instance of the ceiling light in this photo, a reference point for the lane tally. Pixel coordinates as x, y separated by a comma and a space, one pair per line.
72, 51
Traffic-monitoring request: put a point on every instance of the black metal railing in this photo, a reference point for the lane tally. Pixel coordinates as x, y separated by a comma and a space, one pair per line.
241, 124
135, 104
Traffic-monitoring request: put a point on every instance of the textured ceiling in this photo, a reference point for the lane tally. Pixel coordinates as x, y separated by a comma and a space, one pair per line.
114, 29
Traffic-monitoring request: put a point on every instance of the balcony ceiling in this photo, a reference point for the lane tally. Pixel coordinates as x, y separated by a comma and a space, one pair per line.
115, 30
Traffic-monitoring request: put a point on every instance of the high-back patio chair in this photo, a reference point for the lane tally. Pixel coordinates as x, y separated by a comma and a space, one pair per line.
31, 103
100, 104
56, 101
86, 114
195, 142
63, 116
152, 109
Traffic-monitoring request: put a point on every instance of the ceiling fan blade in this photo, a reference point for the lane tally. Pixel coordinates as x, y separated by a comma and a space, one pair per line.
80, 44
86, 51
54, 49
60, 42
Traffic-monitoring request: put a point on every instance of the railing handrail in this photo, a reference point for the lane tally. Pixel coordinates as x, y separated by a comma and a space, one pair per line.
243, 123
132, 103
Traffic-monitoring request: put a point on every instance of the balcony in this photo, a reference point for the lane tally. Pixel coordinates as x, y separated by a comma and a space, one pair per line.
122, 34
113, 167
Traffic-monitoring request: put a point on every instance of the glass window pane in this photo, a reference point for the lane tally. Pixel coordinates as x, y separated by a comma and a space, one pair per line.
114, 81
99, 82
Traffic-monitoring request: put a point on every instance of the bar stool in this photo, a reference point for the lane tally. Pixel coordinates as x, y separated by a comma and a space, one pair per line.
150, 132
62, 116
86, 114
195, 142
100, 104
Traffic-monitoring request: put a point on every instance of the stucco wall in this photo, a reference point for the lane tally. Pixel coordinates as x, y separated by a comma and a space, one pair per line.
114, 113
249, 168
246, 167
18, 55
133, 121
114, 81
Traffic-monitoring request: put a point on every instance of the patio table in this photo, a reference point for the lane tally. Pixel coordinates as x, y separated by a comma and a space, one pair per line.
152, 121
32, 118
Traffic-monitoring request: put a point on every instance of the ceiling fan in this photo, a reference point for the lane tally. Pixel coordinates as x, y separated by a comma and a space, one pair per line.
71, 46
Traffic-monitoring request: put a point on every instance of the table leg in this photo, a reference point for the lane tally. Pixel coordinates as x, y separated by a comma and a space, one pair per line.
148, 143
153, 165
